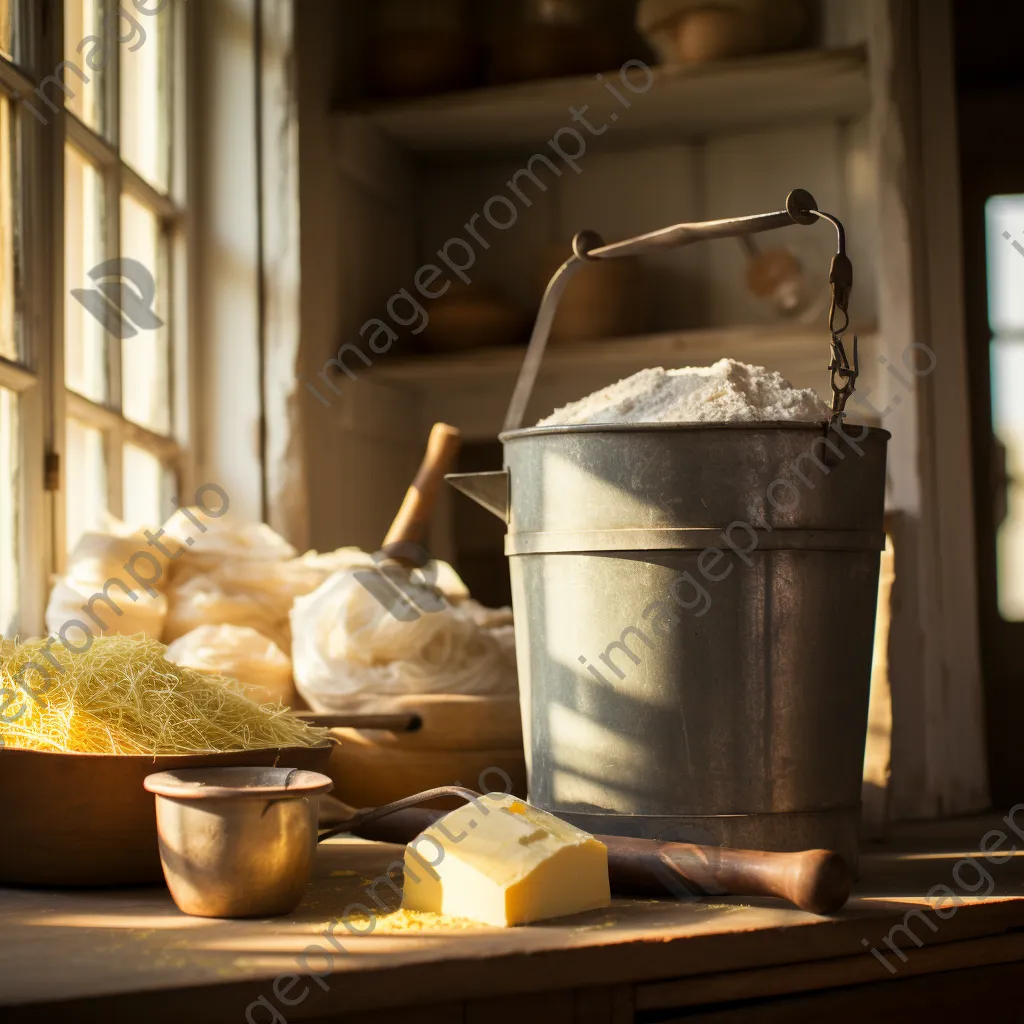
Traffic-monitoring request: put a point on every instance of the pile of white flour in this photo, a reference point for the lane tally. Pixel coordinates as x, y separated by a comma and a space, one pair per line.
726, 392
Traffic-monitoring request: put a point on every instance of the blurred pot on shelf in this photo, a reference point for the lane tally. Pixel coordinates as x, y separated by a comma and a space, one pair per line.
695, 31
606, 299
776, 276
471, 316
555, 38
420, 48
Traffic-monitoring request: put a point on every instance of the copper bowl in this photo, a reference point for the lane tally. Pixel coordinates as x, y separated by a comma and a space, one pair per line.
85, 819
237, 842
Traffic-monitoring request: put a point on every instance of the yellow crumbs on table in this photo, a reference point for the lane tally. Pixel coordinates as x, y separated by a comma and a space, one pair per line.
413, 921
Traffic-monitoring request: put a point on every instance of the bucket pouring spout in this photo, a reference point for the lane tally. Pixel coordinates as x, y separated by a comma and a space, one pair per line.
487, 489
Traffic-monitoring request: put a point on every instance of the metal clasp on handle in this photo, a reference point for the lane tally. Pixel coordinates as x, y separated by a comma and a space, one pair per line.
843, 376
588, 246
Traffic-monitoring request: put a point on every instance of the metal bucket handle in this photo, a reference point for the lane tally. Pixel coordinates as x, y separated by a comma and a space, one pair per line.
588, 246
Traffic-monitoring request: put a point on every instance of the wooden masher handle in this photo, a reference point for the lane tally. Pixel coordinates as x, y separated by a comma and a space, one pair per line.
410, 525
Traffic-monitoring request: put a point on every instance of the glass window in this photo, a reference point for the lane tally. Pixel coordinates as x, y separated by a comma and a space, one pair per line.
1004, 217
10, 495
145, 106
145, 359
9, 347
85, 481
86, 308
86, 49
112, 418
147, 492
10, 28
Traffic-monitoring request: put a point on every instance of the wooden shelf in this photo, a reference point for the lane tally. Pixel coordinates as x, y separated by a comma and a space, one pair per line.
750, 343
682, 103
471, 390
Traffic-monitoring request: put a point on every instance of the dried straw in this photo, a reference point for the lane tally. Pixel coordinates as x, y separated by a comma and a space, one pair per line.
122, 696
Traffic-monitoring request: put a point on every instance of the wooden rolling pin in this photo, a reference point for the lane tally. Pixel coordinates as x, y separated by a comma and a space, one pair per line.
817, 881
409, 529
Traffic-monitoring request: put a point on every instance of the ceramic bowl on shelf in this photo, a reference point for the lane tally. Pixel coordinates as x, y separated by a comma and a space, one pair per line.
418, 49
418, 62
474, 316
605, 299
554, 39
534, 52
696, 31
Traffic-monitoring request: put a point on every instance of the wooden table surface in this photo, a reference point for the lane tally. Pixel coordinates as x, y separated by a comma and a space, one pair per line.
112, 955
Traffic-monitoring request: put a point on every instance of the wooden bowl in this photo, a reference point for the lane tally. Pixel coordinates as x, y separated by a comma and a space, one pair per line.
85, 819
606, 299
552, 51
460, 740
474, 316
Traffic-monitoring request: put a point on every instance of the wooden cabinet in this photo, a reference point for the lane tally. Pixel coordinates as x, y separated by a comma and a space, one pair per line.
483, 183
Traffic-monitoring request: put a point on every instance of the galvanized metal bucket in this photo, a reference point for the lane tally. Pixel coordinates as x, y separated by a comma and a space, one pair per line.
694, 612
695, 604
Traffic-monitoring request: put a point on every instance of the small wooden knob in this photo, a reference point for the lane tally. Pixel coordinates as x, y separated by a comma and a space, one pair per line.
819, 881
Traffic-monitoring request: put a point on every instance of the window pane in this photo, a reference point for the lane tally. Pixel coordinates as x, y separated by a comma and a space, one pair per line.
86, 481
10, 28
82, 28
1004, 222
9, 347
10, 503
1004, 219
145, 362
145, 110
147, 489
1008, 424
85, 353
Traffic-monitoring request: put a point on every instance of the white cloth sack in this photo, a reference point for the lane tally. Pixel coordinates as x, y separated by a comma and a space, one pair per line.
251, 592
224, 540
241, 653
348, 649
69, 600
104, 555
206, 601
259, 592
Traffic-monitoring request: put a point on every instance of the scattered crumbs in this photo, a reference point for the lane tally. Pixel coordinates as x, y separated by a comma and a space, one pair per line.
415, 921
724, 907
600, 925
344, 874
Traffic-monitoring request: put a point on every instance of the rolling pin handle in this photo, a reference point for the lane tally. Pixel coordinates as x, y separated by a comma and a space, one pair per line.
817, 881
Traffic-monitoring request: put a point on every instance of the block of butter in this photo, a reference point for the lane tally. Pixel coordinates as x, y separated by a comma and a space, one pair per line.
502, 862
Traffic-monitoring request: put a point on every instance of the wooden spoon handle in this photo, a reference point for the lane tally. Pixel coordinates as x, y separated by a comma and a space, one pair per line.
410, 525
814, 880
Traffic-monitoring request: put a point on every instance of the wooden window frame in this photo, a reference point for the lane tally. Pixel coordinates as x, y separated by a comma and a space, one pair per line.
45, 403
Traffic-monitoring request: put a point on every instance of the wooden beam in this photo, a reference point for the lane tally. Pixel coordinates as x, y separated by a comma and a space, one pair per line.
938, 760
